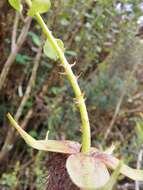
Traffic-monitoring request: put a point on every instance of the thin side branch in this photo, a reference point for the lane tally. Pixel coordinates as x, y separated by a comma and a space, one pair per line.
126, 84
9, 140
13, 53
115, 114
30, 84
14, 32
27, 118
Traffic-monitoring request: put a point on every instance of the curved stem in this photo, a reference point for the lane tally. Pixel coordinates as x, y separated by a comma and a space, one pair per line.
86, 137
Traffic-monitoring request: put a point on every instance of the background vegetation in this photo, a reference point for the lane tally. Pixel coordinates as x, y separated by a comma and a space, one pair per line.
100, 38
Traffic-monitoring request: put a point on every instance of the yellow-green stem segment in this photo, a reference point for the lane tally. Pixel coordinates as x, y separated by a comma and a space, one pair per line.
86, 137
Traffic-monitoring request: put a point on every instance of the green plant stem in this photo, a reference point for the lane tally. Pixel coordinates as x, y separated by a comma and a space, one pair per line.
86, 137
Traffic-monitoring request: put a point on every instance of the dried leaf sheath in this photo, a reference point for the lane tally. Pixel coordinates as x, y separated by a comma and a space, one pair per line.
67, 147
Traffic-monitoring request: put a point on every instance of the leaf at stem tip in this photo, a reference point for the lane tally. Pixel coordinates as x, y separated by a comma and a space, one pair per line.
39, 6
67, 147
16, 4
87, 172
50, 51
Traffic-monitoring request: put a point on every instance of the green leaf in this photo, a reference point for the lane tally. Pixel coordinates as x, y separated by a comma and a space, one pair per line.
87, 172
33, 133
56, 90
71, 53
50, 51
22, 59
65, 146
39, 6
16, 4
35, 38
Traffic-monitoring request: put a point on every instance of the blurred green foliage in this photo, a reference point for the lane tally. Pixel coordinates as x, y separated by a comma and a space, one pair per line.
10, 180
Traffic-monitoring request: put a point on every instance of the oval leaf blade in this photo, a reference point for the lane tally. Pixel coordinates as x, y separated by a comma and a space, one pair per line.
67, 147
49, 51
39, 6
16, 4
87, 172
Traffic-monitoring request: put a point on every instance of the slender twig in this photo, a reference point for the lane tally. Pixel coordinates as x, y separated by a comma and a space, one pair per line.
86, 137
9, 140
115, 114
137, 96
126, 84
135, 110
30, 84
12, 56
27, 118
14, 32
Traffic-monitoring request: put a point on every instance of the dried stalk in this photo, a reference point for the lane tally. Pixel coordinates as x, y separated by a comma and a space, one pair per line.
118, 106
14, 52
14, 32
30, 84
27, 118
9, 140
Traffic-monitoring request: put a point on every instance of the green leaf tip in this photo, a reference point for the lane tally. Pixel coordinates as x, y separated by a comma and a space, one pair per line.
16, 4
39, 6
